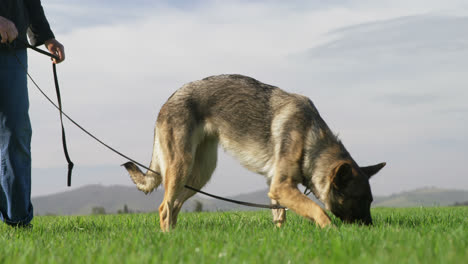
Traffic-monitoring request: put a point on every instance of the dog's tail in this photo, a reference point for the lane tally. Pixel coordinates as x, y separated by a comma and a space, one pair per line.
144, 182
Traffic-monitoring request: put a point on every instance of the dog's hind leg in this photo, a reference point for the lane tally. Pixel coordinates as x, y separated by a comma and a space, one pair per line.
203, 167
186, 153
279, 215
177, 155
174, 180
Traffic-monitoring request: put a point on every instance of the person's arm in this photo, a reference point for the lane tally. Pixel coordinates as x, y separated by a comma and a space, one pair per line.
39, 31
8, 31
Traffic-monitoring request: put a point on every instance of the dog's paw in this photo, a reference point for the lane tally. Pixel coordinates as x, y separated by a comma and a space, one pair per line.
324, 221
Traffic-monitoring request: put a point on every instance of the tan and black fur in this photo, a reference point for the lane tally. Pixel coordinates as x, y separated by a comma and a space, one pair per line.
271, 132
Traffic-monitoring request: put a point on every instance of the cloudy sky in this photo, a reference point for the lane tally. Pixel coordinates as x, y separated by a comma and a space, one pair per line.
390, 77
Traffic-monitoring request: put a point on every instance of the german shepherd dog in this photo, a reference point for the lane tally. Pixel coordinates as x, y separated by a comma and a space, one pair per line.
271, 132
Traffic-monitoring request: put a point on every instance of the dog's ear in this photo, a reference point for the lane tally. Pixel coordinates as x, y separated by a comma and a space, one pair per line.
372, 170
342, 175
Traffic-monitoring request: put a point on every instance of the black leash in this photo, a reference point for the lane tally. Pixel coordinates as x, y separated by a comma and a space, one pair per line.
272, 206
64, 139
59, 100
70, 163
59, 108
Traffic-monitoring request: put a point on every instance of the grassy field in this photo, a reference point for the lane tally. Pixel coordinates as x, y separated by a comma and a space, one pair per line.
412, 235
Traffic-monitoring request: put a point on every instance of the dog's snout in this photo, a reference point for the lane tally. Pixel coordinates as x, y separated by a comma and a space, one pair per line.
369, 221
366, 221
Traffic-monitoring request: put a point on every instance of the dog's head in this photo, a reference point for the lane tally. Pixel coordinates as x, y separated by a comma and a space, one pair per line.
350, 196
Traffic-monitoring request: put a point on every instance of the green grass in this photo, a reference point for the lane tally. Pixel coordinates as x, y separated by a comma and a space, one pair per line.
411, 235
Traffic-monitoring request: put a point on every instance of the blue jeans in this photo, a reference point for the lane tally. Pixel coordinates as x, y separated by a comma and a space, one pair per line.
15, 140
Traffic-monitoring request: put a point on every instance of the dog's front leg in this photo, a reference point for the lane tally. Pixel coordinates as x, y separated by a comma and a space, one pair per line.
279, 215
290, 196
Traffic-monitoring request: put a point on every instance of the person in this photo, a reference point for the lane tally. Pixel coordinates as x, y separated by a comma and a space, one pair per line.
19, 19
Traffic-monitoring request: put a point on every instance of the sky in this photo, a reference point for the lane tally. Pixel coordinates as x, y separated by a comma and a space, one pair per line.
389, 77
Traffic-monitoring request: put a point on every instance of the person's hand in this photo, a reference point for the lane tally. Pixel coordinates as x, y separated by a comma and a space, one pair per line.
55, 48
8, 30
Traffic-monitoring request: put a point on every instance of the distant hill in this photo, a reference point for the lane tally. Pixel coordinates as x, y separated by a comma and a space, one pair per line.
81, 201
422, 197
113, 198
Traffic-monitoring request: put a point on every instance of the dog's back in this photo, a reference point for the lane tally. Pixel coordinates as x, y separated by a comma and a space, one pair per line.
248, 117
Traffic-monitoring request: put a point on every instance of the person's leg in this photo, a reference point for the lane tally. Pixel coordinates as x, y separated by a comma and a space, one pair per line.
15, 141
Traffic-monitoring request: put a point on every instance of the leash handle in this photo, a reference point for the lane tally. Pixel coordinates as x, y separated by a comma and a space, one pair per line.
53, 56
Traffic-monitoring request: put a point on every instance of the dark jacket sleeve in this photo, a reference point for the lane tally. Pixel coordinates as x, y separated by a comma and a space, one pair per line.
39, 30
